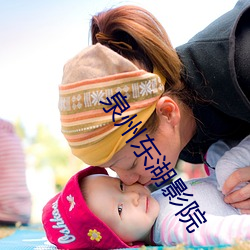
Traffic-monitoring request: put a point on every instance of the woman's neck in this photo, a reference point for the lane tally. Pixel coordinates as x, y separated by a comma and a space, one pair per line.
187, 125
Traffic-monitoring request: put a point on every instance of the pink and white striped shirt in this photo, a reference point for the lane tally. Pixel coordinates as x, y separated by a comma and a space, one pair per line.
15, 200
224, 223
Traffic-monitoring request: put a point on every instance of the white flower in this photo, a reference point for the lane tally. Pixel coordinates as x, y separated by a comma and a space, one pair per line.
145, 88
76, 102
72, 203
161, 88
118, 89
97, 97
64, 104
125, 88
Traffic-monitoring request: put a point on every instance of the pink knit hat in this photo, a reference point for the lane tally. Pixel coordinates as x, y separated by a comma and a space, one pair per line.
69, 223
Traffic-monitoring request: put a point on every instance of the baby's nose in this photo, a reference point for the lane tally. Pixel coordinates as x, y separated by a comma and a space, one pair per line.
133, 198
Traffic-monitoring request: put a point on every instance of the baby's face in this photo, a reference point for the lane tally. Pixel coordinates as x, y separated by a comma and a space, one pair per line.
130, 211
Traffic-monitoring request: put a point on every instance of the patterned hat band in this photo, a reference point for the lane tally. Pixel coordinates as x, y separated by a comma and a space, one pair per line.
95, 135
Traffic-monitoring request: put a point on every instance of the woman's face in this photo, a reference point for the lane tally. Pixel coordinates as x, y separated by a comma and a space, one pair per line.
144, 158
131, 168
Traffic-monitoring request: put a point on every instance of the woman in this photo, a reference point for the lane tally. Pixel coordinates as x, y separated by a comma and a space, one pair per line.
206, 95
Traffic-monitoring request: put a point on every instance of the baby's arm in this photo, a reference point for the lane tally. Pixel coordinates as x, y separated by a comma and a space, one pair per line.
217, 230
237, 157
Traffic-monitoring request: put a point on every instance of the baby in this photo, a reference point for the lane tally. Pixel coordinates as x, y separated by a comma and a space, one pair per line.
96, 211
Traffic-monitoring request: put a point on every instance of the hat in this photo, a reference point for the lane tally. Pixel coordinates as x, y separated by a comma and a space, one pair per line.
69, 223
96, 74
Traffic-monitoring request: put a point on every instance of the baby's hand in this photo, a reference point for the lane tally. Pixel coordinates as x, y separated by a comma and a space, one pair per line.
240, 198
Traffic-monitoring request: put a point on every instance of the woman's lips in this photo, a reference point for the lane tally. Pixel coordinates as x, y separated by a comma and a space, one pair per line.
148, 183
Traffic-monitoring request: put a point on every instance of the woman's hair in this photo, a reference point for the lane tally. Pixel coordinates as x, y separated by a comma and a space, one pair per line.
137, 35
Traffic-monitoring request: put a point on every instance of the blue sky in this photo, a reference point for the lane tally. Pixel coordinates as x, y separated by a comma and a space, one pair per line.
38, 37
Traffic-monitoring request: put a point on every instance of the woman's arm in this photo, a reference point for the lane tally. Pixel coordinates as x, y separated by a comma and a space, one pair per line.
240, 198
233, 175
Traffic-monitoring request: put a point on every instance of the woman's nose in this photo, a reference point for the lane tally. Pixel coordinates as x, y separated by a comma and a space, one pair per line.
126, 177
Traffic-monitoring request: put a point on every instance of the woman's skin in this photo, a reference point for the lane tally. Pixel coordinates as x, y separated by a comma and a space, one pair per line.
170, 138
240, 198
176, 128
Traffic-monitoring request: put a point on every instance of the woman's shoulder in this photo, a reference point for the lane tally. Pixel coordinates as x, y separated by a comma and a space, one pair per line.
209, 66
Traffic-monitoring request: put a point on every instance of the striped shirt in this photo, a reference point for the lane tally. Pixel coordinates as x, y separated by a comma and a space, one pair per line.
15, 200
224, 224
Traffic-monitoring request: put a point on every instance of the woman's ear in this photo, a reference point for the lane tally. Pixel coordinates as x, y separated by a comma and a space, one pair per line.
168, 109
